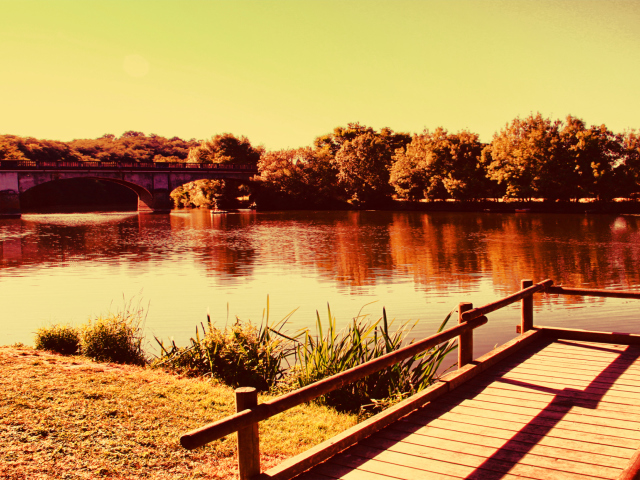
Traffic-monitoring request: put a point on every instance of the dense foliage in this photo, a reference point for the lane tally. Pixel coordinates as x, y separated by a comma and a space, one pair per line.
358, 166
130, 147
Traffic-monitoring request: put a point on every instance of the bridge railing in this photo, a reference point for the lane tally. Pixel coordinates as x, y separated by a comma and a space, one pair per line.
52, 165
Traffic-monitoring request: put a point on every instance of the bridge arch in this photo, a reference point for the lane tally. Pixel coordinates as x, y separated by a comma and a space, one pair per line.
152, 182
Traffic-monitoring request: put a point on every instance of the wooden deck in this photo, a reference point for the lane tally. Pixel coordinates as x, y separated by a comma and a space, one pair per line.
555, 409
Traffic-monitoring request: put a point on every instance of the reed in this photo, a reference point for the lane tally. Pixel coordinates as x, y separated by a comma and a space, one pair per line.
330, 352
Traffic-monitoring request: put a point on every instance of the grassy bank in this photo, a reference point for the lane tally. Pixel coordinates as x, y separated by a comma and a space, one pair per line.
72, 418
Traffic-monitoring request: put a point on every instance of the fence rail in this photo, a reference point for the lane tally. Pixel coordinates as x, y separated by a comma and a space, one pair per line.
48, 165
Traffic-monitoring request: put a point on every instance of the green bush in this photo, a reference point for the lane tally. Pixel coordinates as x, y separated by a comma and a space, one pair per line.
62, 339
116, 337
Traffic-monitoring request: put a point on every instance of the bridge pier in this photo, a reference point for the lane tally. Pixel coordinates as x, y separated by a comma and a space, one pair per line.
9, 195
158, 201
156, 196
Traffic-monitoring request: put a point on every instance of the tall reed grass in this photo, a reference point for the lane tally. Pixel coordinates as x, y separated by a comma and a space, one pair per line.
330, 352
266, 358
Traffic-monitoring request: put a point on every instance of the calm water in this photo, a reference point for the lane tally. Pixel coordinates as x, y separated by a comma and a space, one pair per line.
66, 268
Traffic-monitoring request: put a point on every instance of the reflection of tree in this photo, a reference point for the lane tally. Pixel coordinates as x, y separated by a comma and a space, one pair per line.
71, 240
221, 243
442, 250
353, 250
360, 249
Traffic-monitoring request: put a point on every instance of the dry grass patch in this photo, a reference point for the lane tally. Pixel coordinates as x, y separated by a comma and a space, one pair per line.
71, 418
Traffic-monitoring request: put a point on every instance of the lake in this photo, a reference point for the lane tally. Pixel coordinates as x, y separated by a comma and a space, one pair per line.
65, 268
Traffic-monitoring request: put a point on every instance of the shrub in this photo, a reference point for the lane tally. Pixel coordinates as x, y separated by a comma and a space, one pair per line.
116, 337
62, 339
240, 356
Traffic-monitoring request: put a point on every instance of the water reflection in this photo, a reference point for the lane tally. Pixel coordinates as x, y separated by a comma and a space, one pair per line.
415, 260
352, 249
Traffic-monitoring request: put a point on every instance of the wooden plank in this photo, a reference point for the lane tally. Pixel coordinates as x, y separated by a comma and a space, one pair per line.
567, 399
600, 380
455, 463
406, 432
595, 366
526, 402
584, 399
330, 447
630, 394
508, 433
495, 356
552, 366
593, 382
336, 470
612, 393
592, 336
553, 414
632, 470
465, 453
629, 355
597, 345
372, 466
540, 428
555, 348
593, 292
611, 433
318, 476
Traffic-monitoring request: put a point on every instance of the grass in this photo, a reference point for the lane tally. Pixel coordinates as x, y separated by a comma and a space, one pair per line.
71, 418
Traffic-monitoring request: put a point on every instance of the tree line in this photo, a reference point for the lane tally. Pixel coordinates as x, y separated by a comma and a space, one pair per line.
356, 165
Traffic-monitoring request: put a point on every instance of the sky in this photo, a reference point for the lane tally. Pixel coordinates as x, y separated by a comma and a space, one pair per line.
282, 72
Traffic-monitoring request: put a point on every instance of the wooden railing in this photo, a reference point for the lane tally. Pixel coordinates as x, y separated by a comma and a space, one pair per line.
47, 165
249, 412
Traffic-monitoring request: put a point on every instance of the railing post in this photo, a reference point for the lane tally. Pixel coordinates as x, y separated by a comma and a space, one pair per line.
527, 308
465, 341
248, 438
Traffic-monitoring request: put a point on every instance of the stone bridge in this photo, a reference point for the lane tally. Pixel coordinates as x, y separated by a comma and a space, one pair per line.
153, 182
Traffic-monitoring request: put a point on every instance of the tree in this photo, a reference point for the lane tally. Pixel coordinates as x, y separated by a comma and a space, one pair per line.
440, 165
10, 148
630, 144
363, 169
597, 156
225, 148
360, 158
302, 176
527, 156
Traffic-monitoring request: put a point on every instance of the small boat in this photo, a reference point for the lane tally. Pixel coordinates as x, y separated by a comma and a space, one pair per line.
523, 210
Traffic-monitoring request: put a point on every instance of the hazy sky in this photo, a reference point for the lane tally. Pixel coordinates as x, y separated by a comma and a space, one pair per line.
283, 72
